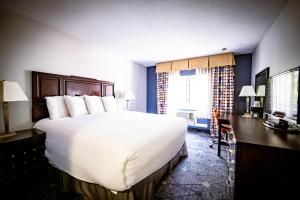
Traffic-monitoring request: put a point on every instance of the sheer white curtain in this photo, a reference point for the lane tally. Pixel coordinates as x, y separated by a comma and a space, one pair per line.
190, 92
200, 97
176, 92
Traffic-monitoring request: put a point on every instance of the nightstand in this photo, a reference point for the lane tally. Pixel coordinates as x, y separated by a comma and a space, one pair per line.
22, 158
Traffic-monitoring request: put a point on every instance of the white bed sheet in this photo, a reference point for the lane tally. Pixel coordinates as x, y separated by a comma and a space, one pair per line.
113, 149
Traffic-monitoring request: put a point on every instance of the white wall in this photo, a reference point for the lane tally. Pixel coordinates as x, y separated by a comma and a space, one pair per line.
27, 46
279, 49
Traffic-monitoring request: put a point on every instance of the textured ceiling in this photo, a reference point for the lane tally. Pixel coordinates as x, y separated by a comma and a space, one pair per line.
150, 31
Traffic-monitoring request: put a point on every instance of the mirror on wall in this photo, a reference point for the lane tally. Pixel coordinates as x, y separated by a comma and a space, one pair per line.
261, 88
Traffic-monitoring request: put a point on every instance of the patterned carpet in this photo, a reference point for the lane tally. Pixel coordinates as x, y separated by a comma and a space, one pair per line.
202, 175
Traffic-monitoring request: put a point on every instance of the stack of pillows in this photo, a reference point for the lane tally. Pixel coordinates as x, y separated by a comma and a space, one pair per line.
64, 106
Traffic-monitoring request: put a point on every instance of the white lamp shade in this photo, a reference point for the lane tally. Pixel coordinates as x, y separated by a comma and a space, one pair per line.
247, 91
128, 95
11, 91
261, 91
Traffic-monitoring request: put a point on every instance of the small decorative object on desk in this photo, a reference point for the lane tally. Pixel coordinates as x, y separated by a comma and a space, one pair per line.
282, 124
257, 112
279, 114
256, 104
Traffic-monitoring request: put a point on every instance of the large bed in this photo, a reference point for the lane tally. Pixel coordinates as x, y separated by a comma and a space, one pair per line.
110, 155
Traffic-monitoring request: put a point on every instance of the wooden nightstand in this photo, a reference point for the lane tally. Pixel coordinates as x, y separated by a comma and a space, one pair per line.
22, 158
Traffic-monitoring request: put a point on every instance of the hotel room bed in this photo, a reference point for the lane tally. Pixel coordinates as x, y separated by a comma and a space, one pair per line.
112, 149
110, 155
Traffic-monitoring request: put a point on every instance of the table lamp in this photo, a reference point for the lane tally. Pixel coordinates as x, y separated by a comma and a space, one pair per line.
9, 92
128, 95
247, 91
261, 92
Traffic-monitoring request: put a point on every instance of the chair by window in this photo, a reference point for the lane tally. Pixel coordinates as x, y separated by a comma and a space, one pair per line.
223, 129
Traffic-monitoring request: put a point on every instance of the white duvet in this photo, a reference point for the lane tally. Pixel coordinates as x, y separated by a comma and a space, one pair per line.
113, 149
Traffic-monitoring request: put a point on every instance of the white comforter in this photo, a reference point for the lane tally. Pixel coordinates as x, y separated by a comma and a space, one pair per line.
113, 149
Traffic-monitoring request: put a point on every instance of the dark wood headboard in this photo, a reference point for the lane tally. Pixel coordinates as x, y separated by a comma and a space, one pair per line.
45, 84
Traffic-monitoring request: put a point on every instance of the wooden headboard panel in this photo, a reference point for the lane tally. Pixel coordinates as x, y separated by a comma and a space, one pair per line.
44, 84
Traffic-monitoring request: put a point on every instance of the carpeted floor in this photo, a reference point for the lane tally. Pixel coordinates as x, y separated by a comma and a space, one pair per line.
202, 175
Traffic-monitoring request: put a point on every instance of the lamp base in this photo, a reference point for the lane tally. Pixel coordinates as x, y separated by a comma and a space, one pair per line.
7, 135
246, 115
127, 105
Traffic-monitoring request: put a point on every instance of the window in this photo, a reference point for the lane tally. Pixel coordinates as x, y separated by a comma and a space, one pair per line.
284, 93
190, 90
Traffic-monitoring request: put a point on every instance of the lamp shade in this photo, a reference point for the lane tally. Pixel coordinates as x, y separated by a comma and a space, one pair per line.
247, 91
128, 95
261, 91
11, 91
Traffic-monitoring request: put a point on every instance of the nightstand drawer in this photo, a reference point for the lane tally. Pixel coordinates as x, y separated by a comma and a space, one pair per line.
22, 157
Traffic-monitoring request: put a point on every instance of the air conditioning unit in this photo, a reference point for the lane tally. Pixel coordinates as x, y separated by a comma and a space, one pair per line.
189, 115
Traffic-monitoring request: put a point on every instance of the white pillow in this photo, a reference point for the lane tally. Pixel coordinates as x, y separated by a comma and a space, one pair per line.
76, 105
94, 104
57, 107
109, 103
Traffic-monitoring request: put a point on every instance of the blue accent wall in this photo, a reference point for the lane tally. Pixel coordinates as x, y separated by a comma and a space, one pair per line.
151, 90
242, 71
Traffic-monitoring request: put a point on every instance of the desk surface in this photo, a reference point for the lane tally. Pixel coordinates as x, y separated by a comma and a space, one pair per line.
252, 131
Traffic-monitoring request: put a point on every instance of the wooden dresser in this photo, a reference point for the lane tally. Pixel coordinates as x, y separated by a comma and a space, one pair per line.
267, 162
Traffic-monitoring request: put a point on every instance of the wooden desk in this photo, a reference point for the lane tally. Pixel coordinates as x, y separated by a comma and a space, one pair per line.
267, 161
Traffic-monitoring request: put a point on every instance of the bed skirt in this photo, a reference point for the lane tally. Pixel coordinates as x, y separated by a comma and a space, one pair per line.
143, 190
